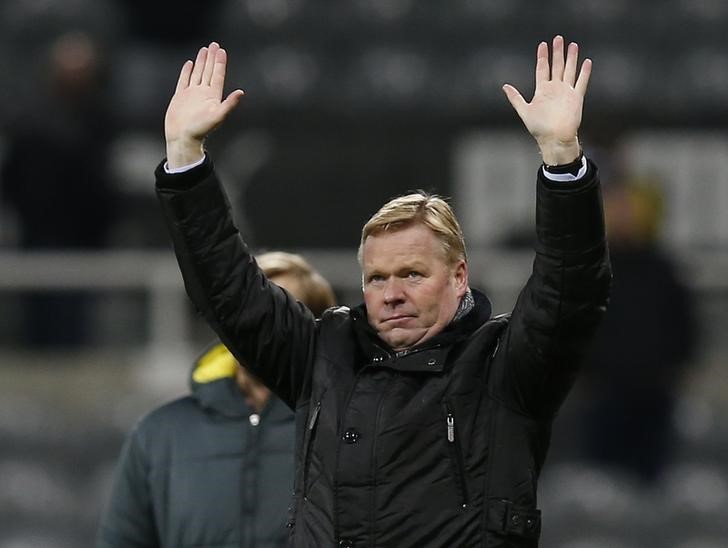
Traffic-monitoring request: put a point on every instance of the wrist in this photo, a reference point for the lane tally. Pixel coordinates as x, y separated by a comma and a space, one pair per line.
558, 153
183, 152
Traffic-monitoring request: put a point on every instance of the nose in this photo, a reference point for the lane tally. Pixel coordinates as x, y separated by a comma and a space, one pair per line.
393, 291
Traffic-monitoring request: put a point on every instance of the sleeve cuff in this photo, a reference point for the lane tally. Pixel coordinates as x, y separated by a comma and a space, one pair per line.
566, 174
182, 169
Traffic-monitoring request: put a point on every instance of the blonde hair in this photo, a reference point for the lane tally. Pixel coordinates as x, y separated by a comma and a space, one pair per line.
430, 210
317, 292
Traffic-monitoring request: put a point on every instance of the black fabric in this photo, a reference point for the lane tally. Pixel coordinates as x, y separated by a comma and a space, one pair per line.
404, 450
196, 472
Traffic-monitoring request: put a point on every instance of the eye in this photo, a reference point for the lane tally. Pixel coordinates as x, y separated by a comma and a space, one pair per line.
375, 278
413, 275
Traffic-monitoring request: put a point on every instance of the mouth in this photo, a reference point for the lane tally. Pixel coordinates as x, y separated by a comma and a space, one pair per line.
400, 318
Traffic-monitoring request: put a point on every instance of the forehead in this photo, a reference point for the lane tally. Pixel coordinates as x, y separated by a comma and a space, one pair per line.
411, 245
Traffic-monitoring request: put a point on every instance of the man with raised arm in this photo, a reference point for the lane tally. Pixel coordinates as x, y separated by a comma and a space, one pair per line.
421, 420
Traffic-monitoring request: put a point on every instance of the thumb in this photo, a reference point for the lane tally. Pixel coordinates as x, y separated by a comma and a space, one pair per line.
231, 101
517, 101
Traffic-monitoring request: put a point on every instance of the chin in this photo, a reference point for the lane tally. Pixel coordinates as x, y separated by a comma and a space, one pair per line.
401, 342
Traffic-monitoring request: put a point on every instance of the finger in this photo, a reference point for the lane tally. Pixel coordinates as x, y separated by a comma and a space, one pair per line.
557, 58
219, 68
184, 76
572, 54
517, 101
196, 76
583, 81
210, 63
231, 101
542, 64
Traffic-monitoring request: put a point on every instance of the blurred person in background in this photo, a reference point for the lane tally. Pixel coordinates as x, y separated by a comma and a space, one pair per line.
642, 350
55, 178
421, 419
214, 468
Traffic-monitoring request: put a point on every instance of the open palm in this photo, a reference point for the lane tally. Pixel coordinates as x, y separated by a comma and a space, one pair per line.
553, 116
197, 106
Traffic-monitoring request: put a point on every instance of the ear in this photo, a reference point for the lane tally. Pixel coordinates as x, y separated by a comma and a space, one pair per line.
460, 277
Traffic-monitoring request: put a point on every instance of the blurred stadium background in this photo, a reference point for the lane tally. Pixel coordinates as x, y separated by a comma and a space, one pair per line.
348, 104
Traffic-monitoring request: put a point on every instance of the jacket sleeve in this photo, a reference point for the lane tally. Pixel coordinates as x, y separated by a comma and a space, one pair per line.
261, 324
128, 519
563, 301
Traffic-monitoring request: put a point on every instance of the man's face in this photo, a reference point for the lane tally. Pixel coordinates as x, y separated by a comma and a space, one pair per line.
256, 393
290, 283
410, 290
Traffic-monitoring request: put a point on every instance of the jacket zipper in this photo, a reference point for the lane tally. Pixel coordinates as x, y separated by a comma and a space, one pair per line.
457, 455
405, 353
310, 427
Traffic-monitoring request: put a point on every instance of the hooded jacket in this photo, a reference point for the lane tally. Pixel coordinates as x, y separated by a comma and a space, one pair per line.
204, 470
438, 446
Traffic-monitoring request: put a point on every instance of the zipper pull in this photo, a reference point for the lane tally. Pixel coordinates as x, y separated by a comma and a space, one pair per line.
314, 415
450, 428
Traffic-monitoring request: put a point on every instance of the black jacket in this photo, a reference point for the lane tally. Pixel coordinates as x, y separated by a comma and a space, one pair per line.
198, 472
439, 447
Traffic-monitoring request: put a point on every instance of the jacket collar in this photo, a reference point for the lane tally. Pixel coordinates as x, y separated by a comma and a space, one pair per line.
428, 357
223, 396
213, 386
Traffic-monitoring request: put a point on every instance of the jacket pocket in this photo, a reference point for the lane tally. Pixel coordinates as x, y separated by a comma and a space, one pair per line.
456, 454
506, 518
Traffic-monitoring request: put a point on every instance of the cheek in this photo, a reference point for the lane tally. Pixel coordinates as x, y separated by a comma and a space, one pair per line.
429, 300
368, 297
437, 300
371, 301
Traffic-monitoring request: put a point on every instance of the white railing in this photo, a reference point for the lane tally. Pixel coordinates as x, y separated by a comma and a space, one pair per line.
156, 274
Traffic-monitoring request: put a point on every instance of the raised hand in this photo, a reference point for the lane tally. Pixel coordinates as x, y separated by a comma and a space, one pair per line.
197, 106
554, 114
